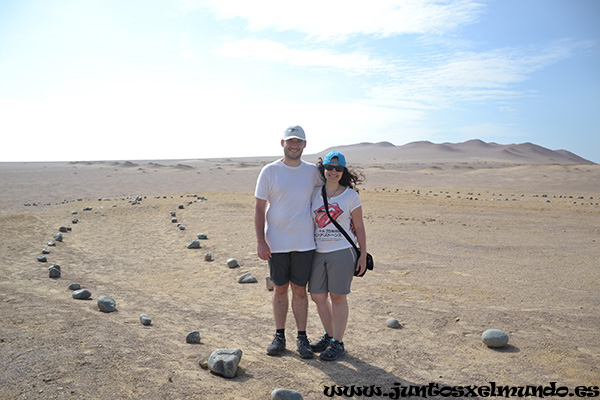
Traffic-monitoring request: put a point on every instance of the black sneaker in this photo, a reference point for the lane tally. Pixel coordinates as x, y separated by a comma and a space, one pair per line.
303, 347
333, 351
277, 346
321, 344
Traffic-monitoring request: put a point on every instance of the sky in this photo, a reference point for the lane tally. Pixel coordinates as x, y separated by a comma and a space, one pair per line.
189, 79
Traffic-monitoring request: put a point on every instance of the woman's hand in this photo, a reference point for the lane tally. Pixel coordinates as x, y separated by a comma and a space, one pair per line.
361, 265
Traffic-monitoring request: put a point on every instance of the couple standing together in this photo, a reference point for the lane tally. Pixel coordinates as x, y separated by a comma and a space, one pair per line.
296, 237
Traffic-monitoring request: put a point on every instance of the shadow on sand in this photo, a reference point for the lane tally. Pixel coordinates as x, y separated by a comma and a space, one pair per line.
371, 381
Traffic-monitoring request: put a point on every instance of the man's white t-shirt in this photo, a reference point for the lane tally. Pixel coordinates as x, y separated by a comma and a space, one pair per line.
328, 237
288, 190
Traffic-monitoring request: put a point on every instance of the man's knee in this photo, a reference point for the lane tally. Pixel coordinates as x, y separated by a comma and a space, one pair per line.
281, 290
298, 291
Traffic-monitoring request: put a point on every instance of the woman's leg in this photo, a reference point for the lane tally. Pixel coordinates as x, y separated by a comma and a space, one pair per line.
339, 306
324, 310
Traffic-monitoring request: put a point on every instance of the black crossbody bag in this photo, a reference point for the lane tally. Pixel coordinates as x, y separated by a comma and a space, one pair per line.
369, 256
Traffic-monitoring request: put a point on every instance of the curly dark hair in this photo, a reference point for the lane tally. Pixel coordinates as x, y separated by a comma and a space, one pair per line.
350, 178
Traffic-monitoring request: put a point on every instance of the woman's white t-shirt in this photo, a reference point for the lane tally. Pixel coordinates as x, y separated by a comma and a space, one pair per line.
328, 238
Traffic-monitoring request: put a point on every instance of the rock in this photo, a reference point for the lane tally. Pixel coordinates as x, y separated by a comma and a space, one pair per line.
181, 227
74, 286
494, 338
174, 220
225, 362
208, 257
51, 243
392, 323
247, 278
82, 294
106, 304
45, 251
181, 207
194, 244
74, 220
202, 236
203, 363
56, 266
173, 214
62, 229
145, 319
42, 259
54, 272
193, 337
232, 263
58, 237
285, 394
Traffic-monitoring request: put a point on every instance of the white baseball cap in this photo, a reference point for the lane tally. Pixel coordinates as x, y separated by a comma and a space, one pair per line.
294, 132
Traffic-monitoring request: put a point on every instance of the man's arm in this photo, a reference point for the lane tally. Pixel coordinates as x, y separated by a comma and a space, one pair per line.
262, 248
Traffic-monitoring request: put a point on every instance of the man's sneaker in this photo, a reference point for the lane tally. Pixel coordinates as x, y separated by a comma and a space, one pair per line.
321, 344
303, 347
333, 351
277, 346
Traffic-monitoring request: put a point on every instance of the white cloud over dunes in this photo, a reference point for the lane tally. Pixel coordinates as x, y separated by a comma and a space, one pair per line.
342, 18
270, 51
470, 76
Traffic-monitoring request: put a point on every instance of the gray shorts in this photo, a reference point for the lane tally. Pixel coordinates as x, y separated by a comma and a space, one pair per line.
332, 272
291, 267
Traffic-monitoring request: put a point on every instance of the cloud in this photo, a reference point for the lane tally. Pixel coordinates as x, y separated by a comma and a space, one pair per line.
270, 51
338, 19
442, 81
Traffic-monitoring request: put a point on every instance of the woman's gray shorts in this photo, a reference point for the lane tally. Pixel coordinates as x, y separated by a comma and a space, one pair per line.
332, 272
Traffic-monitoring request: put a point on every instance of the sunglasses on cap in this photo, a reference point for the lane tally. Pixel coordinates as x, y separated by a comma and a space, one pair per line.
330, 167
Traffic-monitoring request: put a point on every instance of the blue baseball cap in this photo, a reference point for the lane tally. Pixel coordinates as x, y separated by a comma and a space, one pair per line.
341, 159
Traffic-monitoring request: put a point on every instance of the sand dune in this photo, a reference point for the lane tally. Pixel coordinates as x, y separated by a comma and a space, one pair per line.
473, 151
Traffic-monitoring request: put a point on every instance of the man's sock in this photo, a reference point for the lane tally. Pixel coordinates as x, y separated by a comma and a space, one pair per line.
281, 332
301, 333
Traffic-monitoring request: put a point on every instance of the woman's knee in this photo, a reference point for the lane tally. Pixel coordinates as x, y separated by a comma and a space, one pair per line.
319, 298
338, 298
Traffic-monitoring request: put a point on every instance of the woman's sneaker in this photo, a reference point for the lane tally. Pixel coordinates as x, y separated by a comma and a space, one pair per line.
277, 346
321, 344
334, 351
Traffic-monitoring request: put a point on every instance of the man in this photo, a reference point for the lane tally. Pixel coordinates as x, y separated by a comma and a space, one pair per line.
285, 234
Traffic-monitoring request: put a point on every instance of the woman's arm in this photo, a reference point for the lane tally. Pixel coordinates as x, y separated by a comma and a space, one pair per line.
361, 237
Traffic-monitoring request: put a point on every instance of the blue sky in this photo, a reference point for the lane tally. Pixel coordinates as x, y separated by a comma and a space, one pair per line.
179, 79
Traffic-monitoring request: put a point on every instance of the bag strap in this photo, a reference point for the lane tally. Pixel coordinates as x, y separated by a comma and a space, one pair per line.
324, 194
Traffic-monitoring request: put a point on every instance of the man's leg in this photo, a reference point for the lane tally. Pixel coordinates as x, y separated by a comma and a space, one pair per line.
279, 272
300, 266
300, 310
280, 305
300, 306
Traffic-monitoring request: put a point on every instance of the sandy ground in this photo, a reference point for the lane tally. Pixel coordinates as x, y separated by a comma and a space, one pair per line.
458, 250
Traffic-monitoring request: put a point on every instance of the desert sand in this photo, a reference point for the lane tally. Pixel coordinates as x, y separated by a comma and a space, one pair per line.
459, 247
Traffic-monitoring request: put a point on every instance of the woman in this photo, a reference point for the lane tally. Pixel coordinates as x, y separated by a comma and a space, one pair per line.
335, 261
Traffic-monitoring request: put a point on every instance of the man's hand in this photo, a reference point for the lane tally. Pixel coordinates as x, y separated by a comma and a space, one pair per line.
263, 250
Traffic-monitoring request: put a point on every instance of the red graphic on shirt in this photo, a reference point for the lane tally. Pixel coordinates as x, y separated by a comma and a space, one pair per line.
321, 215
